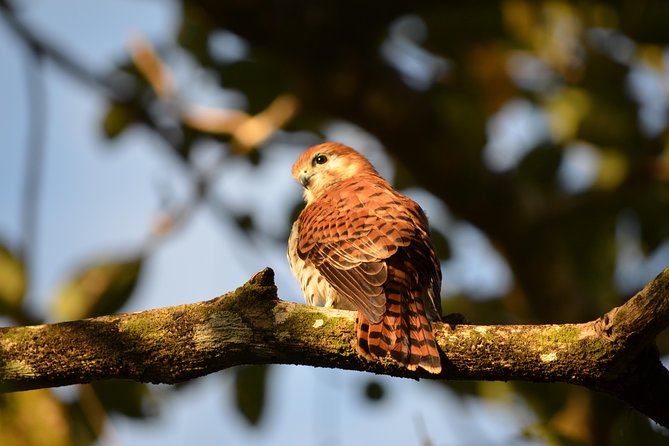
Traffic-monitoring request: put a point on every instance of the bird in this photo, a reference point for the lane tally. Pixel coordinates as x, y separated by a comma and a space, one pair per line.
360, 245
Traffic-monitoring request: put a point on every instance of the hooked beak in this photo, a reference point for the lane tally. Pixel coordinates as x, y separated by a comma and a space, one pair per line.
304, 180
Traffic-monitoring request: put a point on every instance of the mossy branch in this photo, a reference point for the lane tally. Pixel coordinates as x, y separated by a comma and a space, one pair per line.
613, 354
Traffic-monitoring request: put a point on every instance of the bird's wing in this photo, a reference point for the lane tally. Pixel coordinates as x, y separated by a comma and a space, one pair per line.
352, 230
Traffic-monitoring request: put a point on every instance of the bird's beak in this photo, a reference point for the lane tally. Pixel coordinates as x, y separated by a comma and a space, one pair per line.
304, 180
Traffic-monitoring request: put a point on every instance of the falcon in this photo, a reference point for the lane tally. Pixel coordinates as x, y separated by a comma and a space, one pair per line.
361, 245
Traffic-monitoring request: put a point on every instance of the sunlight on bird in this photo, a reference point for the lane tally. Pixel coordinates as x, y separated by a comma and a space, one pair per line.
361, 245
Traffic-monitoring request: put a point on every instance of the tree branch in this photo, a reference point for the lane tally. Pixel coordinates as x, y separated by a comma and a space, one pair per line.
614, 354
42, 46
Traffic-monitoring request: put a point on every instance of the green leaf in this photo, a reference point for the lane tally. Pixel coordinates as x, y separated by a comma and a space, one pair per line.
441, 244
653, 214
260, 81
539, 167
130, 398
193, 33
374, 391
245, 222
98, 289
254, 156
403, 177
250, 386
12, 281
296, 210
117, 119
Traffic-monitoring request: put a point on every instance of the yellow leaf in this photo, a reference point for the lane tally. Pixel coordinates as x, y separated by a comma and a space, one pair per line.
520, 18
100, 288
612, 170
604, 16
33, 418
12, 280
653, 55
566, 111
494, 390
151, 66
117, 119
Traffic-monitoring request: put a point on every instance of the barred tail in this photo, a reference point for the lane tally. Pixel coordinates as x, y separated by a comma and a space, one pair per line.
404, 332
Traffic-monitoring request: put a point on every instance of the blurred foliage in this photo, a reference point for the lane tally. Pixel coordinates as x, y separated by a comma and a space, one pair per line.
118, 118
441, 244
250, 391
33, 418
100, 288
128, 398
374, 391
12, 282
564, 192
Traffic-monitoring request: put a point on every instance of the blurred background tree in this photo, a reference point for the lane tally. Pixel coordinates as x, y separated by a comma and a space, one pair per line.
534, 134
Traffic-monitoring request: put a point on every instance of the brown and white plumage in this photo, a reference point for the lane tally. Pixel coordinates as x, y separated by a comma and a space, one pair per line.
359, 244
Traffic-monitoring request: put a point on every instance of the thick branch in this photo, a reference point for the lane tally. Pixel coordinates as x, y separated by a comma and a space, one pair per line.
251, 325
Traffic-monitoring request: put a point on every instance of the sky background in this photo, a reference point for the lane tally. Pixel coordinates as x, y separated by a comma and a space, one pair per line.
100, 199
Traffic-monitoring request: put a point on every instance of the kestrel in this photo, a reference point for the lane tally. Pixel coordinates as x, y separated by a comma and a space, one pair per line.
361, 245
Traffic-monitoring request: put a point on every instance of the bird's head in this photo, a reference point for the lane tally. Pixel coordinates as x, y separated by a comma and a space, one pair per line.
324, 165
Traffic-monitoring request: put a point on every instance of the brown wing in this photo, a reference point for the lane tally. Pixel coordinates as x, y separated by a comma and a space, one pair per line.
352, 230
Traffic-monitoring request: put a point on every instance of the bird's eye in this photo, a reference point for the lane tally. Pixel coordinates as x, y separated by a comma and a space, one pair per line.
321, 159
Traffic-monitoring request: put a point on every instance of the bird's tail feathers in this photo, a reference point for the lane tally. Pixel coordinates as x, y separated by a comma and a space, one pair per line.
404, 332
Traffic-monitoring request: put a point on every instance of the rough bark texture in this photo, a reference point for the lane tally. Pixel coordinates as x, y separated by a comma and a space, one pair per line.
613, 354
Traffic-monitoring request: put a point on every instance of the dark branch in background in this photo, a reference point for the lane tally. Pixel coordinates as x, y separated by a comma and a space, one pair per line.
614, 354
34, 161
123, 91
42, 47
116, 88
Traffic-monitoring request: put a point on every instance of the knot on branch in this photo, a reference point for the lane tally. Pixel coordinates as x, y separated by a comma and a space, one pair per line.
263, 278
604, 325
260, 286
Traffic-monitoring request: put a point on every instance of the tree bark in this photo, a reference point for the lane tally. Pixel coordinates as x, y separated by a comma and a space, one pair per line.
614, 354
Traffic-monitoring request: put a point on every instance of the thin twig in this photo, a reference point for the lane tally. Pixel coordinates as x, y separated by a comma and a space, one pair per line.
41, 45
34, 161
